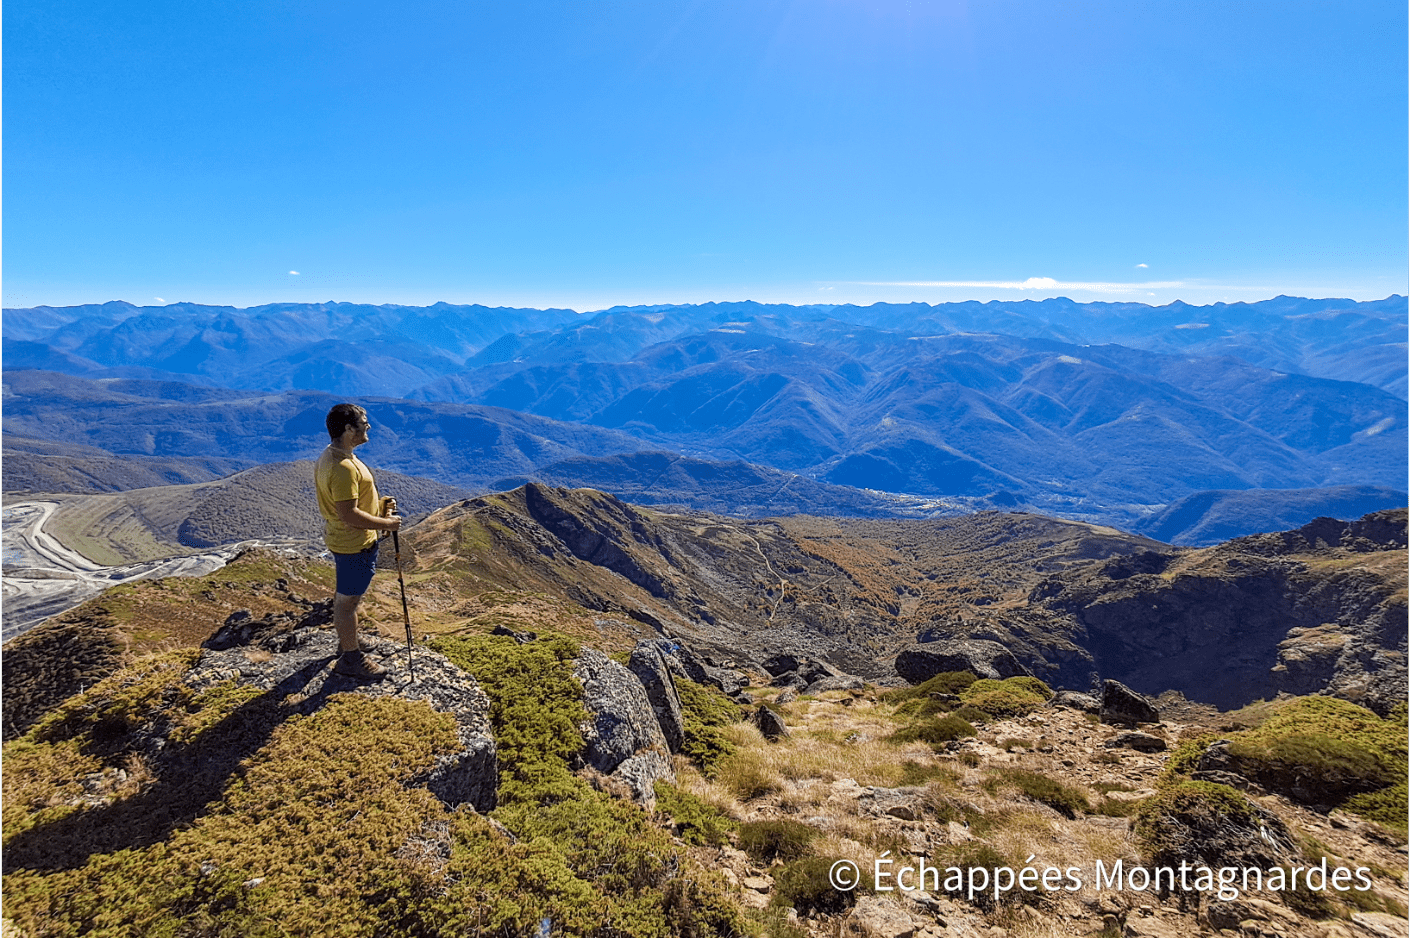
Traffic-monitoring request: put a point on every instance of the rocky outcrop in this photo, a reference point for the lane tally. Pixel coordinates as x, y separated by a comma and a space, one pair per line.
649, 666
1141, 742
273, 632
1377, 531
1122, 705
770, 723
698, 668
919, 663
1318, 610
809, 676
1076, 701
622, 736
1211, 825
295, 666
597, 536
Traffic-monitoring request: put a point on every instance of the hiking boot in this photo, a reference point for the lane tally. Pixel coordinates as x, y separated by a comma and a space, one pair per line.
357, 665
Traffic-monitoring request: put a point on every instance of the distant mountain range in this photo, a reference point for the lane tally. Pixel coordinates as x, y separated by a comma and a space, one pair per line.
138, 433
1101, 412
390, 350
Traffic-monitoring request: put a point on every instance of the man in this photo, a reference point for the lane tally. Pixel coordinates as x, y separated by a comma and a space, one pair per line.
352, 515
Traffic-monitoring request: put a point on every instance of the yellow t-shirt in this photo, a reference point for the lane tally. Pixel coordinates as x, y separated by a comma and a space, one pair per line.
339, 476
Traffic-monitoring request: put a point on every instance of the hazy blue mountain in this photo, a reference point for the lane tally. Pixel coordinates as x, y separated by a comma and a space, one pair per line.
1100, 411
1207, 518
259, 347
144, 433
457, 444
336, 347
969, 415
51, 466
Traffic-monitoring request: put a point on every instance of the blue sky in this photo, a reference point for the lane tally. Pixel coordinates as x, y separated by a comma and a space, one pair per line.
590, 153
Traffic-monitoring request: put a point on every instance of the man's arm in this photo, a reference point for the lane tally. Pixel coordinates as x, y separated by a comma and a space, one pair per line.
355, 517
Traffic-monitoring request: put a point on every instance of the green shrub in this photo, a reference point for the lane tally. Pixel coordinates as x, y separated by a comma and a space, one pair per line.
696, 821
971, 714
937, 731
1184, 758
1032, 685
317, 816
929, 707
805, 885
705, 711
1312, 765
119, 703
1189, 821
1012, 697
781, 839
909, 708
1064, 799
326, 828
1388, 806
535, 706
946, 682
914, 773
1318, 749
614, 870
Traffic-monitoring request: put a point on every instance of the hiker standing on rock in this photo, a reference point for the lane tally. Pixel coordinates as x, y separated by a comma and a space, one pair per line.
352, 515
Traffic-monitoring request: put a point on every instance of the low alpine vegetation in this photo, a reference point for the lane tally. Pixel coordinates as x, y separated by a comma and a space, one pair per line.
707, 712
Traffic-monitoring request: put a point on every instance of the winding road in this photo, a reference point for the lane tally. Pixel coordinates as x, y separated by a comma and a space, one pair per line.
42, 577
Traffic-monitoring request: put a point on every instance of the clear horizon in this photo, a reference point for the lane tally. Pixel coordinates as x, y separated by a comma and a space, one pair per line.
582, 156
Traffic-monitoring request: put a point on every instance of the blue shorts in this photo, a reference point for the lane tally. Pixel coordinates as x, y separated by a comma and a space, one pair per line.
355, 571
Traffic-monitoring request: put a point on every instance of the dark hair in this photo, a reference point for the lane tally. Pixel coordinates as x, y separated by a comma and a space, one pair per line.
340, 416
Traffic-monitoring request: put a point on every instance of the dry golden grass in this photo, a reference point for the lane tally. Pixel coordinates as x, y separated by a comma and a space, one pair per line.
830, 742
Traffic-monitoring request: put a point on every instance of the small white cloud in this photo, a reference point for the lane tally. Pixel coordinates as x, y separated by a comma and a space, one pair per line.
1143, 266
293, 273
159, 299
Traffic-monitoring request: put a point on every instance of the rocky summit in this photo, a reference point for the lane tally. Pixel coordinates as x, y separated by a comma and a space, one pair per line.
613, 720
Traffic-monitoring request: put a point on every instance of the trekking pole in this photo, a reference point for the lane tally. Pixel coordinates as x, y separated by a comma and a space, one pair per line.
405, 614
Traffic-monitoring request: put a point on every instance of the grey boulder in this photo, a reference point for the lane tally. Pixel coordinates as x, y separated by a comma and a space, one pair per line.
621, 726
1073, 700
650, 667
770, 723
1120, 704
919, 663
1141, 742
688, 664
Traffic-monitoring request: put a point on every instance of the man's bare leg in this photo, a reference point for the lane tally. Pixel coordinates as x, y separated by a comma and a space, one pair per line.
345, 620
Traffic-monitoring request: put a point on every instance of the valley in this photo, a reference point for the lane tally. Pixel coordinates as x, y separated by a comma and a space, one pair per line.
665, 570
136, 757
1259, 416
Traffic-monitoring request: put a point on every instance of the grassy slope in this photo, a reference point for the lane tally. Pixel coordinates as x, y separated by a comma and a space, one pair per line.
329, 820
